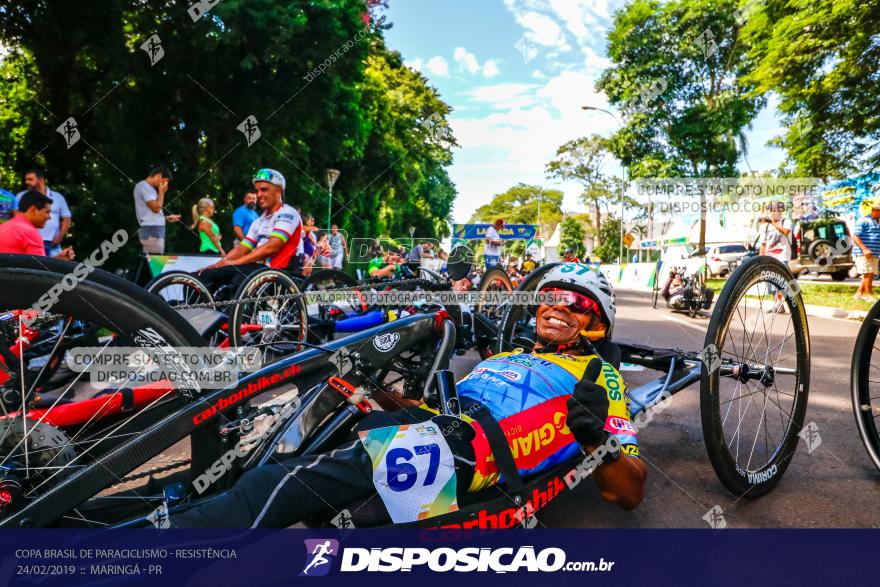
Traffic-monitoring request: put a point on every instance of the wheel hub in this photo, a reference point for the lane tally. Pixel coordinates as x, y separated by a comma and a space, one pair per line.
768, 376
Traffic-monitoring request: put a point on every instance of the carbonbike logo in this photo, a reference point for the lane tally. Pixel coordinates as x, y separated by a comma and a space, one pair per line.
468, 559
241, 449
264, 382
386, 342
79, 274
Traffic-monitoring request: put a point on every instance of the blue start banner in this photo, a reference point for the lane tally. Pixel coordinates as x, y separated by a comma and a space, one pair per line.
391, 557
463, 232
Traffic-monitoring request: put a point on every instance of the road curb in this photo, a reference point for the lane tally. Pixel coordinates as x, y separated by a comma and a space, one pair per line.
832, 312
812, 309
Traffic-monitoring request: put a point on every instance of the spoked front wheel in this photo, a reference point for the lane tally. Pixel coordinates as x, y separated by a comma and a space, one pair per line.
756, 377
865, 384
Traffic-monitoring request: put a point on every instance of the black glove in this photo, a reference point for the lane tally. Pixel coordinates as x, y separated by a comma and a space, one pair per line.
588, 407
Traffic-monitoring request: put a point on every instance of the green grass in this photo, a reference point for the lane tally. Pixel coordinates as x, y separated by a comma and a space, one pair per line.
837, 295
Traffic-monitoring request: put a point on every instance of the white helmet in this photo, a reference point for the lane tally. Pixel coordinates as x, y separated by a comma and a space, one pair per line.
586, 280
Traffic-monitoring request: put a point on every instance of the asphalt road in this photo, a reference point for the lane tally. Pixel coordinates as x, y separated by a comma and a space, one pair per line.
834, 486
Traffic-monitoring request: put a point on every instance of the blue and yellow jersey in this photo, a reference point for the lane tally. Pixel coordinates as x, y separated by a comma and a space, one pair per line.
528, 395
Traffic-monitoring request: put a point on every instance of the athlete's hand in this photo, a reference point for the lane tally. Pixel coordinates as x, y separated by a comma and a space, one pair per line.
588, 407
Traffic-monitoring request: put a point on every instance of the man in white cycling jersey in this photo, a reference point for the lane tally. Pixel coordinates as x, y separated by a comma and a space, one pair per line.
273, 239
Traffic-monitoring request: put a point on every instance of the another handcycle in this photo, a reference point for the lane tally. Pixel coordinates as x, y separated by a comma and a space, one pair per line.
110, 470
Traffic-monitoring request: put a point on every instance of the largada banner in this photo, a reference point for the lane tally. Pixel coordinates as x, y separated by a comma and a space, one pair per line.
465, 232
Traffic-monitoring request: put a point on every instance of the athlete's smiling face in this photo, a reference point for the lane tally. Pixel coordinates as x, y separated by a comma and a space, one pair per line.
558, 324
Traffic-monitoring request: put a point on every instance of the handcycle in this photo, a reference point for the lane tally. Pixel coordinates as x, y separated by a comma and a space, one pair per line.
691, 294
269, 309
102, 473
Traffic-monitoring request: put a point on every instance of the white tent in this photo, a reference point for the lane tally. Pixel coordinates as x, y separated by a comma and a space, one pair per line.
551, 246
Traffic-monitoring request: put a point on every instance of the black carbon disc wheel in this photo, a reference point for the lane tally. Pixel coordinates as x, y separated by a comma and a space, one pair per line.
756, 377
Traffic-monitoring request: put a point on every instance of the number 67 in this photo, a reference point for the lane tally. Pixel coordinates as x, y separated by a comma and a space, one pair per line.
402, 475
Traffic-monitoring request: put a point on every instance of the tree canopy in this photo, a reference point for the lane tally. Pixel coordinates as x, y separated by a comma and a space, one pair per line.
316, 76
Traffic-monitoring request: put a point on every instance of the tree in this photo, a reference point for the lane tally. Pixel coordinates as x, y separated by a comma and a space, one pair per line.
523, 204
315, 74
609, 241
572, 236
581, 160
822, 58
678, 71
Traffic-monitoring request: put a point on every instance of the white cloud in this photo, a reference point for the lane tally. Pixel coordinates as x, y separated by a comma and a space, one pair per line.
466, 60
594, 63
490, 68
525, 126
542, 30
416, 64
504, 96
437, 66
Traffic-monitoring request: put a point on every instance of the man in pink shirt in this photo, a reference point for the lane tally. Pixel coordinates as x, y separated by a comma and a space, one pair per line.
20, 235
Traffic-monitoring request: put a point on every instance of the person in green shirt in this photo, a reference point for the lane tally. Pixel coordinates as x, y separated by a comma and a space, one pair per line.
209, 232
384, 265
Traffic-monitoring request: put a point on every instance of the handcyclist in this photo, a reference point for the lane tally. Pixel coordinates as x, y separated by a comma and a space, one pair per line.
273, 239
564, 397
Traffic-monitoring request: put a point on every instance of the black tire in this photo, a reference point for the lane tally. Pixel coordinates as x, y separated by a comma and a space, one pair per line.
821, 249
136, 318
840, 275
337, 277
180, 288
742, 301
289, 316
516, 328
865, 391
496, 280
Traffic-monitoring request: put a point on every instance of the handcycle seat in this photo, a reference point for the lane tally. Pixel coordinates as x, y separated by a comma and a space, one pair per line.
206, 321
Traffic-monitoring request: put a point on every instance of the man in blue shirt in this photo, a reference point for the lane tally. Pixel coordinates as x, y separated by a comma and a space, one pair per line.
866, 248
244, 216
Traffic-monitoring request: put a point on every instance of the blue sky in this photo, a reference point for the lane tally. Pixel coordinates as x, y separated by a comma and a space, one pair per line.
516, 73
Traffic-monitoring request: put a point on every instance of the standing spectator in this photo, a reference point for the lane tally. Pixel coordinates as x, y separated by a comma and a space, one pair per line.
866, 238
528, 264
58, 224
492, 252
324, 251
209, 232
149, 198
310, 243
338, 245
22, 234
774, 238
244, 216
570, 257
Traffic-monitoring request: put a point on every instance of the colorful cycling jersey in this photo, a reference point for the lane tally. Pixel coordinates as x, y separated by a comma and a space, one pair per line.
284, 224
528, 396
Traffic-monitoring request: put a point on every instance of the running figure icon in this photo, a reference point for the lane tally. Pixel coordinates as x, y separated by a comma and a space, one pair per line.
318, 556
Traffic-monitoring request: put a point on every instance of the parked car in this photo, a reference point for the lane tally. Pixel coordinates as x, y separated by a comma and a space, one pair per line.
720, 258
822, 246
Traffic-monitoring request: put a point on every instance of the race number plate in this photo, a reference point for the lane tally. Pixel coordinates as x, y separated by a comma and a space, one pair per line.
413, 470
